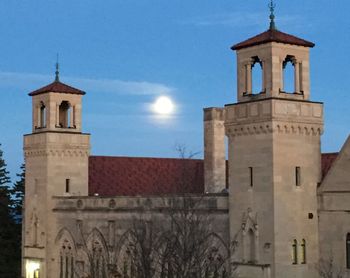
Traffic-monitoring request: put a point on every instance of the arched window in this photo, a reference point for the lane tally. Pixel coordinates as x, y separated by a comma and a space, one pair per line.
67, 268
64, 114
257, 76
42, 120
348, 251
289, 75
98, 262
303, 252
295, 252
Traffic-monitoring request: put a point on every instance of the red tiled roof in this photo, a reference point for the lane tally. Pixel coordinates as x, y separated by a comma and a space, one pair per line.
272, 35
57, 87
130, 176
327, 162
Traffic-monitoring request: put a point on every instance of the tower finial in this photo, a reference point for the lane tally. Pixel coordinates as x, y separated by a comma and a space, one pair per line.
272, 7
57, 72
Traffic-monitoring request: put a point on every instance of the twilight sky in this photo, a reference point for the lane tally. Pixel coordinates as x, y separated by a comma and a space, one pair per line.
126, 53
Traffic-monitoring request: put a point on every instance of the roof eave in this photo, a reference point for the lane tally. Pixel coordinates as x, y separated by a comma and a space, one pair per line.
50, 91
239, 46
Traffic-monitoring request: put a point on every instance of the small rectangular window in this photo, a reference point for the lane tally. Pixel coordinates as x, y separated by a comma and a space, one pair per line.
67, 185
348, 251
295, 252
297, 176
251, 180
303, 251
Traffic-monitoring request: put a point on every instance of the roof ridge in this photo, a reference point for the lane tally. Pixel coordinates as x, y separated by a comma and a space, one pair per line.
146, 157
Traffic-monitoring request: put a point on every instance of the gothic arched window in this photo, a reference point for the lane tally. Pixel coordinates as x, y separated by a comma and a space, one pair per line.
348, 251
66, 260
295, 252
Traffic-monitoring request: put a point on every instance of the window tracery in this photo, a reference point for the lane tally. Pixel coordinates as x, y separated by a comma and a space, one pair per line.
67, 263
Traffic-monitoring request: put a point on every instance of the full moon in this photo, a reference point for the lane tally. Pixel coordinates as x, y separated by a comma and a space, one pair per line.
163, 106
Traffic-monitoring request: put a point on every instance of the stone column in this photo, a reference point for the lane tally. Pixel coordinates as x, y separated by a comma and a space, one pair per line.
71, 116
57, 115
263, 89
214, 150
38, 114
249, 79
301, 77
296, 76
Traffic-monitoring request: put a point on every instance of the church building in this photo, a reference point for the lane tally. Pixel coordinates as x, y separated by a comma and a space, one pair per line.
279, 207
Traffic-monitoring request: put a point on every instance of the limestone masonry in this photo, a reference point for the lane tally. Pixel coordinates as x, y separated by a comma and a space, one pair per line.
279, 203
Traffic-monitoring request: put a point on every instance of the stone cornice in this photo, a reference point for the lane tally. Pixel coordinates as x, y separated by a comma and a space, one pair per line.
274, 127
82, 152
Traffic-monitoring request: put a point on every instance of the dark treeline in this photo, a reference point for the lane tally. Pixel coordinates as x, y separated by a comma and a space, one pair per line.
11, 198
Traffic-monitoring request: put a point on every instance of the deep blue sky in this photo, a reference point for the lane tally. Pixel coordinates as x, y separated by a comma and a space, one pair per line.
125, 53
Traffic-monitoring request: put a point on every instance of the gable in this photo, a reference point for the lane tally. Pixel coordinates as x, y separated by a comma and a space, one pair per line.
338, 177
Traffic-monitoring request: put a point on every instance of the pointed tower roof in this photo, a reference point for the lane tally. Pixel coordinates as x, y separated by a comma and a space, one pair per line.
57, 86
272, 35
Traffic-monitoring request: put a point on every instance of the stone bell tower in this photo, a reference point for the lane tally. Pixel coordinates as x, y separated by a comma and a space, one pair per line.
56, 158
274, 160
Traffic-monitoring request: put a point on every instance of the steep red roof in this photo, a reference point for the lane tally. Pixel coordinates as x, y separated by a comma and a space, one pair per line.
57, 87
272, 35
130, 176
327, 162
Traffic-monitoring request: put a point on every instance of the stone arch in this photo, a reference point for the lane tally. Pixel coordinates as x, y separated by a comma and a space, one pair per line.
217, 263
67, 250
97, 256
123, 250
65, 114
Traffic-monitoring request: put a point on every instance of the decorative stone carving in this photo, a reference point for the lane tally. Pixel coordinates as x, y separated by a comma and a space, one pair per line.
80, 204
112, 204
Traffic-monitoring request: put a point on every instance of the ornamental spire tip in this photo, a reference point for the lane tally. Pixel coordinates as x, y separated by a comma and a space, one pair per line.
57, 72
272, 7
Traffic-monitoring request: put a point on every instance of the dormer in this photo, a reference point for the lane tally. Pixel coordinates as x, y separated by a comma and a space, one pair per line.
272, 52
57, 107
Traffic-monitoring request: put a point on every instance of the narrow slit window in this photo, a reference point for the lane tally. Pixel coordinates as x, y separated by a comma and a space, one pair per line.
303, 252
251, 180
297, 176
295, 252
67, 185
348, 251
